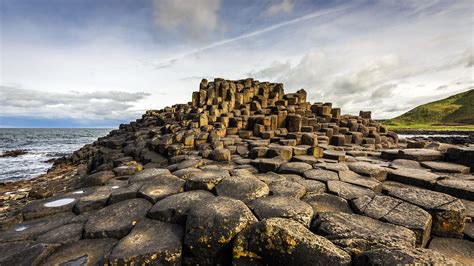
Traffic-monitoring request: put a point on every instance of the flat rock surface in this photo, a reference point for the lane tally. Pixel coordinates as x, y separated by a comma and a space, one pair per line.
414, 177
278, 241
327, 203
459, 249
446, 167
283, 207
82, 252
348, 191
419, 256
369, 169
321, 175
25, 252
244, 188
116, 220
150, 242
420, 154
361, 233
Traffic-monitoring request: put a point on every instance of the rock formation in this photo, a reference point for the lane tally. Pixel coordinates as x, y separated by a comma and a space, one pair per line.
245, 174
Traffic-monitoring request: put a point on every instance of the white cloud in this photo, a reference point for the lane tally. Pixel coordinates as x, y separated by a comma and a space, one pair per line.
197, 18
91, 106
284, 6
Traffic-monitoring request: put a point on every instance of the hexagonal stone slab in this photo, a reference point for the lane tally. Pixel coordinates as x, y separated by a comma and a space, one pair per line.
405, 256
348, 191
321, 175
287, 188
211, 226
327, 203
94, 200
161, 188
244, 188
32, 228
116, 220
463, 189
398, 212
369, 169
278, 241
24, 252
49, 206
98, 179
360, 232
420, 155
403, 163
445, 167
459, 249
175, 208
448, 213
82, 252
283, 207
149, 174
359, 180
62, 235
339, 156
124, 193
206, 180
414, 177
297, 168
150, 242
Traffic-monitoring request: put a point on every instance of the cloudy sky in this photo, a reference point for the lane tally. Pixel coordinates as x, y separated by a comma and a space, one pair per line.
98, 63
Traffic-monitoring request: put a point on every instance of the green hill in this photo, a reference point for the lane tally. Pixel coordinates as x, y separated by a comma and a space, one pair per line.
456, 110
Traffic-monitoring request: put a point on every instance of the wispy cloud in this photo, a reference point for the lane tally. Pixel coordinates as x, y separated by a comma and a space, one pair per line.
284, 6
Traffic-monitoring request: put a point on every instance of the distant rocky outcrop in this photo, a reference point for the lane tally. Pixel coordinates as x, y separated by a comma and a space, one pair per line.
245, 174
13, 153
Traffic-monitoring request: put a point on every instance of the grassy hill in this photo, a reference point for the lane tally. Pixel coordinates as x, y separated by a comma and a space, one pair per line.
456, 111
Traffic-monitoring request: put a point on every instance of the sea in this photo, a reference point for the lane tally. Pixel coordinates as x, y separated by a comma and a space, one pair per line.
42, 145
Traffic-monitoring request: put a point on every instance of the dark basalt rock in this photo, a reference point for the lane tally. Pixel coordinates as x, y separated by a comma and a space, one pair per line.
25, 252
65, 234
151, 243
321, 175
327, 203
210, 228
116, 220
277, 241
244, 188
459, 249
82, 252
283, 207
419, 256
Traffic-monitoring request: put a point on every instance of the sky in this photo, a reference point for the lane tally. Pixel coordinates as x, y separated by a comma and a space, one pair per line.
99, 63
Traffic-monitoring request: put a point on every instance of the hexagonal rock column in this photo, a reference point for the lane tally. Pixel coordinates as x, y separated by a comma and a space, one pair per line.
211, 226
278, 241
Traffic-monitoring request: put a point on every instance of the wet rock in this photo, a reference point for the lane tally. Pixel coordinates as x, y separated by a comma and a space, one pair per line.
405, 256
211, 227
448, 213
82, 252
220, 155
206, 180
360, 233
326, 203
161, 188
270, 164
348, 191
32, 228
277, 241
116, 220
93, 201
397, 212
414, 177
283, 207
49, 206
321, 175
98, 179
297, 168
150, 242
463, 189
175, 208
124, 193
65, 234
420, 155
445, 167
244, 188
458, 249
287, 188
369, 169
24, 252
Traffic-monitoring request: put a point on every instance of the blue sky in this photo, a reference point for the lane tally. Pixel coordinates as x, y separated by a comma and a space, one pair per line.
99, 63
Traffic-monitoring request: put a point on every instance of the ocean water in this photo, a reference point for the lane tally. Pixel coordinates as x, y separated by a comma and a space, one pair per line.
42, 144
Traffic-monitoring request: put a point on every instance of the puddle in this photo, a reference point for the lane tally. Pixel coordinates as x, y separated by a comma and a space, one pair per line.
21, 228
115, 187
59, 202
78, 192
76, 262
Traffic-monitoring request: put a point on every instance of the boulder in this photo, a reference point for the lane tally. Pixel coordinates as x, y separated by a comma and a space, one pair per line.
360, 233
244, 188
175, 208
116, 220
150, 242
278, 241
283, 207
220, 155
212, 226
